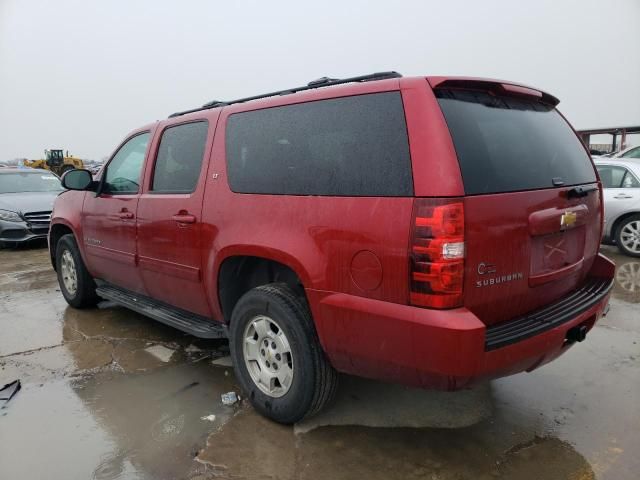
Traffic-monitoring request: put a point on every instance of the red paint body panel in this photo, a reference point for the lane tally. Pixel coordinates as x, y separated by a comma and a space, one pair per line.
351, 253
514, 232
110, 241
426, 348
170, 249
436, 172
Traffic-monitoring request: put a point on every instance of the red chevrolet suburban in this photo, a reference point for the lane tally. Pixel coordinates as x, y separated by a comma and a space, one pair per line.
430, 231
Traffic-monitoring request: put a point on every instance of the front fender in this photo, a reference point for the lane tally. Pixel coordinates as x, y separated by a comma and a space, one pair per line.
67, 211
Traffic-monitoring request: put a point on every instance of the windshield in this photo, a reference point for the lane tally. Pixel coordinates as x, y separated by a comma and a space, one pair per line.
29, 182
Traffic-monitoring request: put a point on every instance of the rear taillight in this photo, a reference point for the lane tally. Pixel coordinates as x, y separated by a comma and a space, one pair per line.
436, 253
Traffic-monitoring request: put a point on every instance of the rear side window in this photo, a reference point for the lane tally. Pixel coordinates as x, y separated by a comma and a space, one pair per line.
616, 177
179, 159
353, 146
507, 144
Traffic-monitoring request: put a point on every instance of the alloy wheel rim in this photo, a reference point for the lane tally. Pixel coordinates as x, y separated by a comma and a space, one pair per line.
69, 274
630, 236
267, 356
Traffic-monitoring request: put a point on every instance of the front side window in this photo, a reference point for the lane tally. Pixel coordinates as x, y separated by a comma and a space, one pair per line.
123, 172
350, 146
179, 159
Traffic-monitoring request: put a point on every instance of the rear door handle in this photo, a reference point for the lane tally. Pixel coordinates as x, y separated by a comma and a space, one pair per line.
623, 195
184, 218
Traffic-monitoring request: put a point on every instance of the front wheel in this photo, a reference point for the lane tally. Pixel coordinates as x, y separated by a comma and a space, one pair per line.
628, 236
76, 284
277, 356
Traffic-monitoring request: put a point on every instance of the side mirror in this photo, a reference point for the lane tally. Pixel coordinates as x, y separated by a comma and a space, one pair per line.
78, 179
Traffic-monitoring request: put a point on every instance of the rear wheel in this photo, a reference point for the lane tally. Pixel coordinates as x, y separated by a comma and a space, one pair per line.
76, 284
277, 356
628, 236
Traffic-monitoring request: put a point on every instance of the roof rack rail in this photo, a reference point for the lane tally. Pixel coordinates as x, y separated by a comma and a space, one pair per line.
320, 82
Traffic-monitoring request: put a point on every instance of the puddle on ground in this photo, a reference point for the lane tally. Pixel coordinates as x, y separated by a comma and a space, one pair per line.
116, 425
627, 279
251, 447
368, 403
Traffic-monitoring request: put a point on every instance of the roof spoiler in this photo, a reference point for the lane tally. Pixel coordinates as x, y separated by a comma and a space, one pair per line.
497, 87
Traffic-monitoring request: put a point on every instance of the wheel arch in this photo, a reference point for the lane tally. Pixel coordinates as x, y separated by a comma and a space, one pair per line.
618, 222
239, 271
57, 231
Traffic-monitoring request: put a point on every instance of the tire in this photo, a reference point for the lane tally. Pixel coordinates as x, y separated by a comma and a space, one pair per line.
312, 382
628, 236
69, 266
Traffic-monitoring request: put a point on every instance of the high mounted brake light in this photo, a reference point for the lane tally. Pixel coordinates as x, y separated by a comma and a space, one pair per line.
436, 253
494, 87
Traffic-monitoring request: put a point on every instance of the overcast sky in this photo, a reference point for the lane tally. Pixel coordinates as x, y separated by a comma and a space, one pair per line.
79, 74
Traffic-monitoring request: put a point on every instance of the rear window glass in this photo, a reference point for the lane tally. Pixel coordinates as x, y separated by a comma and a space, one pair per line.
507, 144
353, 146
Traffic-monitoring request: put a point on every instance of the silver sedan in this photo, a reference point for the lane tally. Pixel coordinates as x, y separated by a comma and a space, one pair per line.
621, 181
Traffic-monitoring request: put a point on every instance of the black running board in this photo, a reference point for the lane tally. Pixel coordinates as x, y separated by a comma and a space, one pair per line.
188, 322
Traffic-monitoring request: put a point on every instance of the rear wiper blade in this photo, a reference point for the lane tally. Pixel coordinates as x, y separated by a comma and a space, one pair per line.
580, 191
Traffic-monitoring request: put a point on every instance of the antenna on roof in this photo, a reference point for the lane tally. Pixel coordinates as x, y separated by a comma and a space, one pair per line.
320, 82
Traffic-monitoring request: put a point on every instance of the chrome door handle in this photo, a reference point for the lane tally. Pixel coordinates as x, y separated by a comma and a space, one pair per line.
623, 195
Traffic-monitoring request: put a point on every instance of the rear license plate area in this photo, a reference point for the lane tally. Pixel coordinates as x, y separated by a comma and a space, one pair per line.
555, 251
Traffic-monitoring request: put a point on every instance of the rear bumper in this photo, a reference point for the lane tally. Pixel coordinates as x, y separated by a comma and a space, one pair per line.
448, 349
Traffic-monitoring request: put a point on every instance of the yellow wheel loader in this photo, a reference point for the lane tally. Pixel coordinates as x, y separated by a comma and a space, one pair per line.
56, 161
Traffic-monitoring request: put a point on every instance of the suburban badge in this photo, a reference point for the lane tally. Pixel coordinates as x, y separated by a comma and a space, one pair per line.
490, 269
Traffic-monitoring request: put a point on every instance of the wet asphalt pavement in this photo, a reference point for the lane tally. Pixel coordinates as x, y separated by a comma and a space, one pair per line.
109, 394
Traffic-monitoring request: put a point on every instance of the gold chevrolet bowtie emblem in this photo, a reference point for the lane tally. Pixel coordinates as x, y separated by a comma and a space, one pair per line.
568, 219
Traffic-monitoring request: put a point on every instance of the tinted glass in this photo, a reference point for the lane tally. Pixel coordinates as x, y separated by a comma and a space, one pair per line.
629, 181
123, 172
29, 182
610, 176
506, 144
616, 177
354, 146
179, 158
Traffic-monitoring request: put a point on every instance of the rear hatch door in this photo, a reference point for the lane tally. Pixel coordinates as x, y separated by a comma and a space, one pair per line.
532, 203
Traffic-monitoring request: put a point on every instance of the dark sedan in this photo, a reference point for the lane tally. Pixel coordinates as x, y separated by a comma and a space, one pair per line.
26, 201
